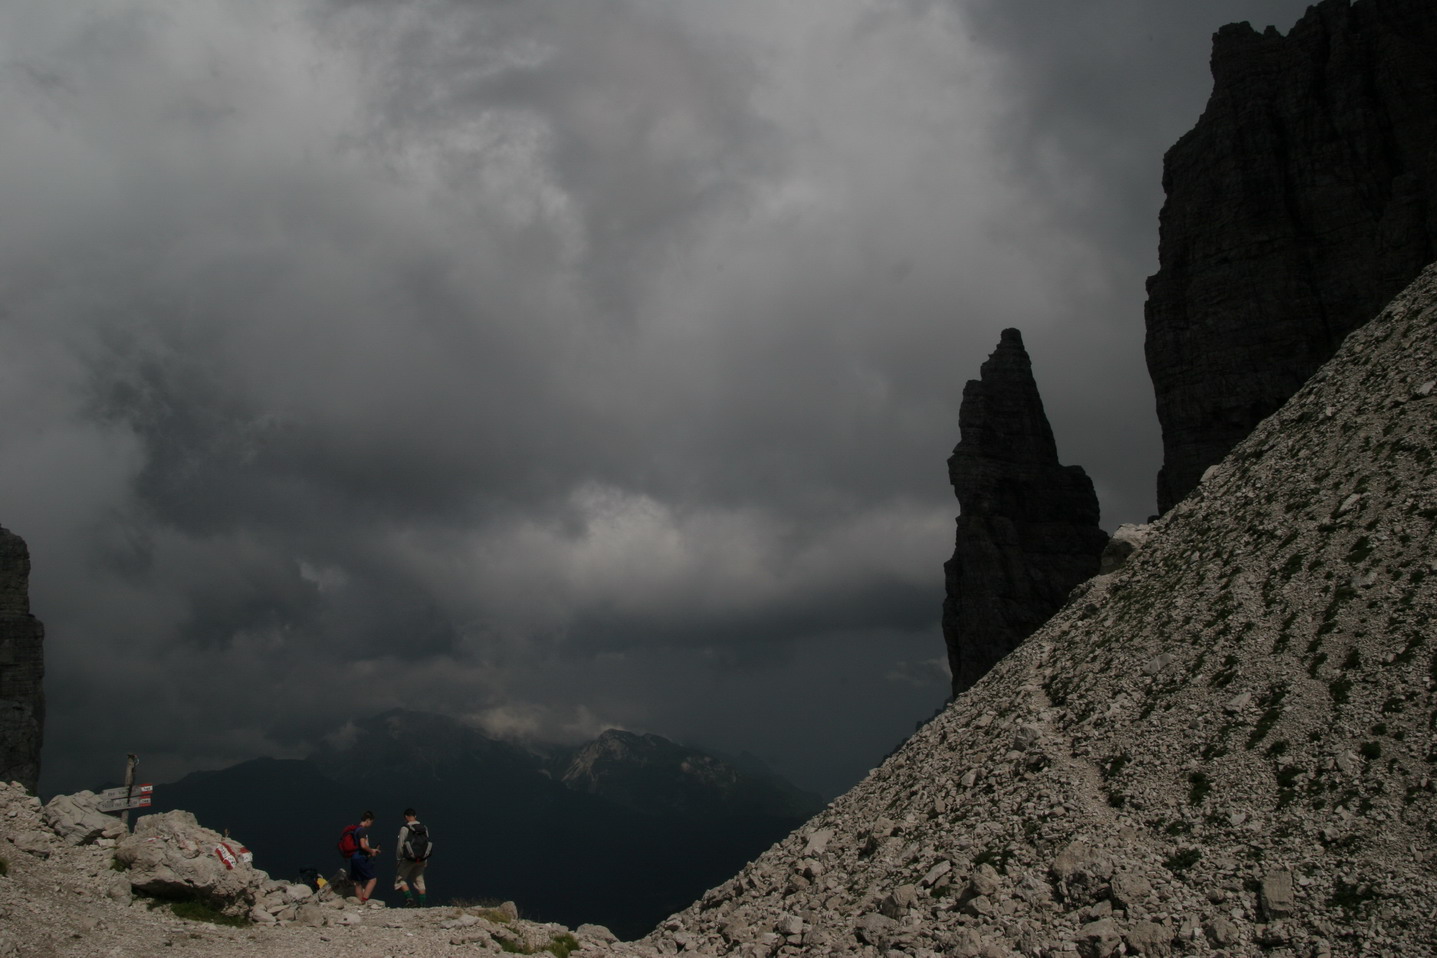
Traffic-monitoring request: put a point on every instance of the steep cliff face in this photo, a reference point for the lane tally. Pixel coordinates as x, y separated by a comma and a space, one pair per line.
1223, 748
22, 668
1302, 201
1028, 530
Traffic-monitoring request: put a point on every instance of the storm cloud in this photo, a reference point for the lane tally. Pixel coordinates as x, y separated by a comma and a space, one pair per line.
552, 364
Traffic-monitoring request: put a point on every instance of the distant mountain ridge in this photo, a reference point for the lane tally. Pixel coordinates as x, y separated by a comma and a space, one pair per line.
649, 773
619, 831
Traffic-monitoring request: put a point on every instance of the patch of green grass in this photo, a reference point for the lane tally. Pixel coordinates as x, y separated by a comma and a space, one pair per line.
195, 910
562, 945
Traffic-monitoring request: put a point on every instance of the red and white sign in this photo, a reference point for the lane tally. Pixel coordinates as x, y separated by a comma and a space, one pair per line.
230, 857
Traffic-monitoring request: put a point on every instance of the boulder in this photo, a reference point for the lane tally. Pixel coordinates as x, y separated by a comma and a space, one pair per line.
76, 819
1082, 873
170, 855
1276, 895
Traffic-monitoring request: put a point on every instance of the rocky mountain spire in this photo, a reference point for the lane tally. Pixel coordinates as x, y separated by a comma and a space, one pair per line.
1301, 202
1028, 530
1222, 748
22, 667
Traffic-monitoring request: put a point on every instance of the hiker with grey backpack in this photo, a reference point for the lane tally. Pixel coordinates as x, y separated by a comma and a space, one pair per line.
413, 849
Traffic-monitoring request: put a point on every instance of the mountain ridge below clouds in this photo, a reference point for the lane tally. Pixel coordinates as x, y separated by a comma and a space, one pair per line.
622, 847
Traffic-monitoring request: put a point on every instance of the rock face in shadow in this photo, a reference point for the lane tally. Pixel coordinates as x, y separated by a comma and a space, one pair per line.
22, 668
1028, 531
1302, 201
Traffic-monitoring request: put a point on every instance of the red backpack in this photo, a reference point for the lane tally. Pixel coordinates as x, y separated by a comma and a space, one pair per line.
348, 844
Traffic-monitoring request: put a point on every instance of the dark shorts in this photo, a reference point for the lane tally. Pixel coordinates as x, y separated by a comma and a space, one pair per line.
360, 868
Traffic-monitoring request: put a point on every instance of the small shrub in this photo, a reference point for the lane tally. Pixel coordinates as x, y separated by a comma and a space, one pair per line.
1361, 549
1371, 750
4, 867
1340, 689
1351, 898
1199, 785
996, 857
118, 866
1183, 860
1227, 673
1264, 725
562, 945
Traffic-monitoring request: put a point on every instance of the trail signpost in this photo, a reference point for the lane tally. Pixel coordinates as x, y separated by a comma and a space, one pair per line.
124, 798
128, 795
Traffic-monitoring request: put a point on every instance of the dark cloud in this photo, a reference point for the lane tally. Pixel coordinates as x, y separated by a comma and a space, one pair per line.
553, 364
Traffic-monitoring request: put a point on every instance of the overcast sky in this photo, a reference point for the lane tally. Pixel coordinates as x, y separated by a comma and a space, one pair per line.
556, 364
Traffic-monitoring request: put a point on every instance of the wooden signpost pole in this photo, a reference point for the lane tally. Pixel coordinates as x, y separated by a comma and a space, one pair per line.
130, 764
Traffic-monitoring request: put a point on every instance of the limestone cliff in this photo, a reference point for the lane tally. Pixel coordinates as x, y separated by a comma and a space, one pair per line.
1028, 529
22, 667
1301, 202
1223, 748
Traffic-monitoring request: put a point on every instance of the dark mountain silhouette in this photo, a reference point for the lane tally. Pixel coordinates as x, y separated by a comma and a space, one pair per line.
623, 850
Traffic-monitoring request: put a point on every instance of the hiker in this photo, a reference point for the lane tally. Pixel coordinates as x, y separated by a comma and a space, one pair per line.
413, 848
354, 845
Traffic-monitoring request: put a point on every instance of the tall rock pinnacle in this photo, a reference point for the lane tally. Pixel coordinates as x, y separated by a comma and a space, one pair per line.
1028, 529
22, 667
1301, 202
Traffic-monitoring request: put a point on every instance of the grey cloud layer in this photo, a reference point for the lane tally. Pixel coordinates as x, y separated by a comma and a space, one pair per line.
462, 352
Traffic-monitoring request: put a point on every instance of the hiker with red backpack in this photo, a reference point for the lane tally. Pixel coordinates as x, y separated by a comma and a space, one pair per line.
354, 845
414, 849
